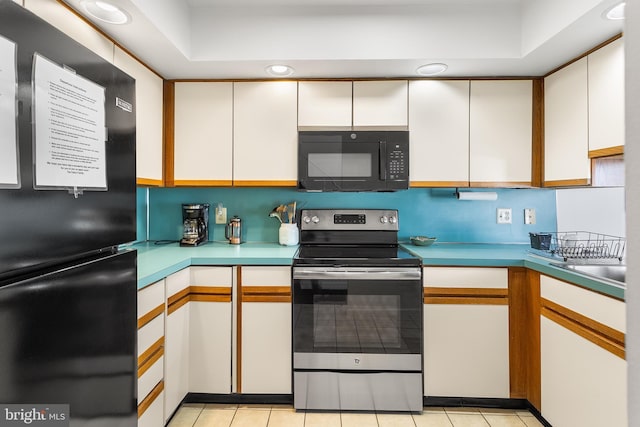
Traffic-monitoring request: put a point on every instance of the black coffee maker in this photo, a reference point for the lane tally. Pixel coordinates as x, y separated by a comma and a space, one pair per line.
195, 220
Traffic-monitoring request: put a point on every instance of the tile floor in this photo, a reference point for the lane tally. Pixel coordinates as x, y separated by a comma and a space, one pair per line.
230, 415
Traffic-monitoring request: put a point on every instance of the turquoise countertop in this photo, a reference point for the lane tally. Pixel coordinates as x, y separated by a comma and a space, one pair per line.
158, 261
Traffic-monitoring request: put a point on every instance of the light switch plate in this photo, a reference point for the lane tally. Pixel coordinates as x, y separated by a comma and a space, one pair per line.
530, 216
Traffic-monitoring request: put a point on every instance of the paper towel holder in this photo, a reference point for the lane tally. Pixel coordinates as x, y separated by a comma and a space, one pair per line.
476, 195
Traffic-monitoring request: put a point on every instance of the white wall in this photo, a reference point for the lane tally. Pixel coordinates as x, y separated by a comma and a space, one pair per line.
632, 159
599, 210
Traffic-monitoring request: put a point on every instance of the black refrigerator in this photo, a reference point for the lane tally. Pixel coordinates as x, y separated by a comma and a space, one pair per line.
67, 203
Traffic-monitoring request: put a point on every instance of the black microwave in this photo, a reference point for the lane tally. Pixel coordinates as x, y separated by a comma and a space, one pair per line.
353, 160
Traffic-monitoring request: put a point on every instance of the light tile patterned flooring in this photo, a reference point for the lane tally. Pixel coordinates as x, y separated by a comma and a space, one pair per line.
230, 415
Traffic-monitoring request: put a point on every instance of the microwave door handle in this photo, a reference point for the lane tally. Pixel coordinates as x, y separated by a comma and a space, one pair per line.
382, 151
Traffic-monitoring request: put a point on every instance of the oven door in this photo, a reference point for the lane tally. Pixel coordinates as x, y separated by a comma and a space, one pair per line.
355, 317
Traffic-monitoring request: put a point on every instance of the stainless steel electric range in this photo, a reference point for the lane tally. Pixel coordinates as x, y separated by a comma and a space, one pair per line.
357, 314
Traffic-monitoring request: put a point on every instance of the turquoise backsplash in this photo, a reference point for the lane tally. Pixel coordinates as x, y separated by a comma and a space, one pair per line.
431, 212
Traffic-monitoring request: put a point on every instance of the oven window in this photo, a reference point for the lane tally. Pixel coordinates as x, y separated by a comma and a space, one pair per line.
357, 316
338, 165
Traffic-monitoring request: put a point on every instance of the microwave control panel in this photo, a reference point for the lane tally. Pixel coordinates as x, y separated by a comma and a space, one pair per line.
397, 160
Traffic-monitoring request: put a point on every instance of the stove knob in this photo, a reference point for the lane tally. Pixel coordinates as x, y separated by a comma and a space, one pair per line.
306, 220
384, 219
393, 219
315, 219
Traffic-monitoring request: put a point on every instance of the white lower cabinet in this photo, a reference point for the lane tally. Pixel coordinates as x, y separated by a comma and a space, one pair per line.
466, 341
153, 416
176, 367
582, 383
265, 365
210, 330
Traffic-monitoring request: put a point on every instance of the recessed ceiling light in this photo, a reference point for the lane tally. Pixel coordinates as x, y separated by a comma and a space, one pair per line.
106, 12
432, 69
279, 70
615, 12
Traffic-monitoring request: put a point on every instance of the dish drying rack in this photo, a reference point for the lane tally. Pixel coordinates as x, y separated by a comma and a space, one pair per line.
580, 245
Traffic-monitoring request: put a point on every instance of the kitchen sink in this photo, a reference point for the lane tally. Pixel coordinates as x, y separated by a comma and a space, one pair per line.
615, 272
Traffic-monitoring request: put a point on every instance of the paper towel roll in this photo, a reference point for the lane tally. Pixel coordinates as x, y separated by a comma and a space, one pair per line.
480, 195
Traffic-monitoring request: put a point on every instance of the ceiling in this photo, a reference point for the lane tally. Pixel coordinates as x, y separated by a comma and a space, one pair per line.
238, 39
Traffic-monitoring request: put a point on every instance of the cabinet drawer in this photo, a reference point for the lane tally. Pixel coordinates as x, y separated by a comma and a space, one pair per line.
150, 298
266, 276
211, 276
153, 414
606, 310
466, 277
150, 378
149, 334
177, 282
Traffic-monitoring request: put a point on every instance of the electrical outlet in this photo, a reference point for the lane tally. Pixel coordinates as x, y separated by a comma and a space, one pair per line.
530, 216
504, 216
221, 215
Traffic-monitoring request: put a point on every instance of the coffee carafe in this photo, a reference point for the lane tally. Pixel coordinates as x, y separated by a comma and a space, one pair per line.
233, 231
195, 224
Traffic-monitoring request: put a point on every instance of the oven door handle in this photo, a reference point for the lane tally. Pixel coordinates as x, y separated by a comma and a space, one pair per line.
357, 273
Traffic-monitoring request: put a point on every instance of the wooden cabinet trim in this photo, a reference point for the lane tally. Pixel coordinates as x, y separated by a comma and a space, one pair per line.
177, 300
202, 183
210, 293
151, 397
567, 183
266, 293
505, 184
537, 136
607, 152
602, 335
168, 129
261, 183
150, 356
438, 184
480, 296
148, 317
148, 182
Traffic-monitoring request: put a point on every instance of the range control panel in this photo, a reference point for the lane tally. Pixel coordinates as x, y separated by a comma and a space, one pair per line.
349, 219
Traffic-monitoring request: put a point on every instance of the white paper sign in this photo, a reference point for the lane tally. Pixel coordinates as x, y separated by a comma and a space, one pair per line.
69, 128
8, 131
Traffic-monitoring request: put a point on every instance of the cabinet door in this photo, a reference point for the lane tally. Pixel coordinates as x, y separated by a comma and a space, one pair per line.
466, 337
265, 359
203, 137
584, 371
566, 142
439, 129
149, 122
325, 103
500, 133
265, 129
606, 100
380, 103
72, 25
210, 330
176, 358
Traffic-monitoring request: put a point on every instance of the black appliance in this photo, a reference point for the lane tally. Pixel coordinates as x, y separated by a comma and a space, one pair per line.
353, 160
195, 223
357, 314
67, 292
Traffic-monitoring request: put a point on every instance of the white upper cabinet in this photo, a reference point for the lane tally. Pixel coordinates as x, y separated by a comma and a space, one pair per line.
500, 133
325, 103
380, 103
265, 129
606, 100
566, 146
149, 118
69, 23
203, 137
439, 133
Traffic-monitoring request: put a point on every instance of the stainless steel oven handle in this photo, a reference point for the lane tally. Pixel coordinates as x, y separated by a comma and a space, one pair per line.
357, 273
